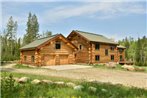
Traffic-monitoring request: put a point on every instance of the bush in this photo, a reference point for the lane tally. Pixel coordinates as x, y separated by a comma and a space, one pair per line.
7, 85
141, 63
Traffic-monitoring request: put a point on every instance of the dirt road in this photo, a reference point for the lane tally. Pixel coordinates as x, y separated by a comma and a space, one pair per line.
136, 79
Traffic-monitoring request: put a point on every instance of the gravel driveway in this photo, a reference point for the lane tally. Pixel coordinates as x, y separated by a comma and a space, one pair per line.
126, 78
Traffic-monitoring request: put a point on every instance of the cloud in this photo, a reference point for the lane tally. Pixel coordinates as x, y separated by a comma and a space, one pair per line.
99, 10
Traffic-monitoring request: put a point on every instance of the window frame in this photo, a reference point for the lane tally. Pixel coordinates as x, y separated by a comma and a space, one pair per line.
106, 52
80, 47
112, 48
58, 45
33, 58
97, 57
97, 46
112, 56
121, 57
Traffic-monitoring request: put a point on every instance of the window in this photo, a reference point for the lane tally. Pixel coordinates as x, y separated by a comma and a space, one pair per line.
58, 45
106, 52
75, 55
97, 46
120, 50
112, 57
25, 58
97, 57
32, 58
121, 58
80, 47
112, 48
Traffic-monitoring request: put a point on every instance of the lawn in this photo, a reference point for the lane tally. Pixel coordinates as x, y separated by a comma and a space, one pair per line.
28, 90
118, 67
24, 66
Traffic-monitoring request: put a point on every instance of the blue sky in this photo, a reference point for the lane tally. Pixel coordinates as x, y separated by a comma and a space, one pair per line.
112, 19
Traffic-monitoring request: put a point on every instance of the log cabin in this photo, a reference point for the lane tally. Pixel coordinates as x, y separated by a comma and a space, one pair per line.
95, 48
78, 47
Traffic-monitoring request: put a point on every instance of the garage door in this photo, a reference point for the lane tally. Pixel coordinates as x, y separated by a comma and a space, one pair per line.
63, 59
49, 60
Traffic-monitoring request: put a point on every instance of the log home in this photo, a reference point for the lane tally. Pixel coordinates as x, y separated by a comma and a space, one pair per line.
94, 48
53, 50
78, 47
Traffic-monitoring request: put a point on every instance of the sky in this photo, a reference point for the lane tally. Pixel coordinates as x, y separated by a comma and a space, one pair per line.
113, 19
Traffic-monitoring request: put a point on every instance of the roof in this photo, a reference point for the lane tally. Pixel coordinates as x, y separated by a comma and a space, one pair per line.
38, 42
120, 46
95, 37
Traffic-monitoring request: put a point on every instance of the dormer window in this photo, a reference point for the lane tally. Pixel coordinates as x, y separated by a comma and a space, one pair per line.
58, 45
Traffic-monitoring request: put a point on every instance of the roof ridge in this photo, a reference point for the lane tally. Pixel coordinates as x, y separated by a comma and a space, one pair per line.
88, 33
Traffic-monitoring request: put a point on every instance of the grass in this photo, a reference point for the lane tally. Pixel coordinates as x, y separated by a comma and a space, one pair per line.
19, 66
41, 77
118, 67
28, 90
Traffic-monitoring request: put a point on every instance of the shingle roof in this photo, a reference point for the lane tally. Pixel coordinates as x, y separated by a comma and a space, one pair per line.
120, 46
95, 37
38, 42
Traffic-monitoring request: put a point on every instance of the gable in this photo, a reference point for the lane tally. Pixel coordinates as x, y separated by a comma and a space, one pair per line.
50, 47
43, 41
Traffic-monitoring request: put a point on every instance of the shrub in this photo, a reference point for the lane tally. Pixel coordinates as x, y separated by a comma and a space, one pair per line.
7, 85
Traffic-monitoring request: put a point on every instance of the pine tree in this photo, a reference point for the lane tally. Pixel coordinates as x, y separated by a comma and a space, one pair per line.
32, 29
137, 52
9, 40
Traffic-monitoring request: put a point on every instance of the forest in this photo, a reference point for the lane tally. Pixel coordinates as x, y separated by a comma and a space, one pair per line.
136, 49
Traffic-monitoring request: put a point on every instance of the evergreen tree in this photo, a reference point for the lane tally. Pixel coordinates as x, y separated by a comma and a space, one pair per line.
9, 40
32, 29
137, 52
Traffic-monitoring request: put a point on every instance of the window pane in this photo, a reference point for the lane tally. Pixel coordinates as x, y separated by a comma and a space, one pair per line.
112, 48
106, 52
97, 57
80, 47
97, 46
58, 45
112, 57
33, 58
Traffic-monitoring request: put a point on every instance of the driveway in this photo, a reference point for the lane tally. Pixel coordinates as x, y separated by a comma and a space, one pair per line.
136, 79
66, 67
